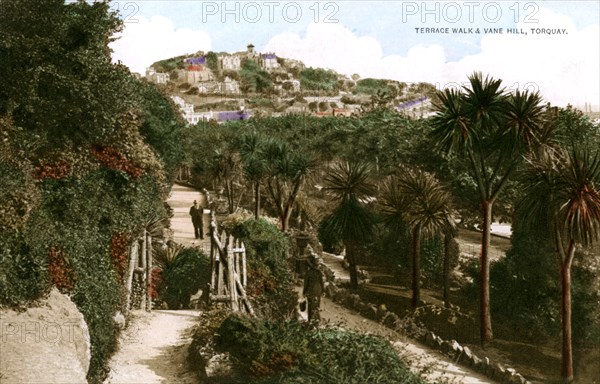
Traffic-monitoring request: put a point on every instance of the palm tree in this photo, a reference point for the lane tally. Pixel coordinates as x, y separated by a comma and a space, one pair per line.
286, 171
254, 164
349, 187
225, 168
418, 199
492, 130
563, 194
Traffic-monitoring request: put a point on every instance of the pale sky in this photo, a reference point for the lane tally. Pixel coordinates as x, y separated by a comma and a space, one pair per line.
557, 49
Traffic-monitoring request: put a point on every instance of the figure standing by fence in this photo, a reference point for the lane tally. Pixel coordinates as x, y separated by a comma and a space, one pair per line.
196, 212
314, 288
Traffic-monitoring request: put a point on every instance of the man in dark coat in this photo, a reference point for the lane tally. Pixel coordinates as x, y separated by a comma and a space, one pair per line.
314, 288
196, 213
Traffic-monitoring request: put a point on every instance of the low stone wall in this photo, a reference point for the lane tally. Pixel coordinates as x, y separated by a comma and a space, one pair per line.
46, 343
460, 355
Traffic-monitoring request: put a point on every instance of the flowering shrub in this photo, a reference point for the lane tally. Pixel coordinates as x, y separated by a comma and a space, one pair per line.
157, 283
118, 253
57, 170
111, 158
61, 273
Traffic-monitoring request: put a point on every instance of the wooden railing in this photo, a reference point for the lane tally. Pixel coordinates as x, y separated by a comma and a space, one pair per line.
140, 264
228, 270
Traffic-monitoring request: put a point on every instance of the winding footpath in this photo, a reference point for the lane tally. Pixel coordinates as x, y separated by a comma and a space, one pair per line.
153, 348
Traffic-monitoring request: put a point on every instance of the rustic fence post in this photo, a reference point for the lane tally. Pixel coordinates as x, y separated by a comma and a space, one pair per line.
144, 268
244, 271
148, 272
213, 249
231, 275
133, 257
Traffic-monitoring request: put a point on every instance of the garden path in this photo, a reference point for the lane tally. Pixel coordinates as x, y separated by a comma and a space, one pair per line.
153, 348
432, 365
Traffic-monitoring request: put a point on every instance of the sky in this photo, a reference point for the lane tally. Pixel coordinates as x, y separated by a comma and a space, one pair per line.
548, 46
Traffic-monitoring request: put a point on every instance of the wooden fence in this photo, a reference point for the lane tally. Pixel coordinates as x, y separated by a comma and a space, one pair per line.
228, 270
140, 264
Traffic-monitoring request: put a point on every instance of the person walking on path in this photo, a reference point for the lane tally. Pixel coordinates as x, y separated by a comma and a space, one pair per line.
314, 288
196, 213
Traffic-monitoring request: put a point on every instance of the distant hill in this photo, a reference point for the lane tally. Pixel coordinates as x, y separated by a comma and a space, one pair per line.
265, 84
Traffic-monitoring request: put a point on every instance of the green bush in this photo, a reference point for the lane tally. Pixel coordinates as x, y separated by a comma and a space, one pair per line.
316, 79
330, 242
23, 274
270, 282
525, 288
288, 352
189, 272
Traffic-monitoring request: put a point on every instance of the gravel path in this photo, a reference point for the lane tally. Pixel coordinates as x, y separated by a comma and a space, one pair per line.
153, 348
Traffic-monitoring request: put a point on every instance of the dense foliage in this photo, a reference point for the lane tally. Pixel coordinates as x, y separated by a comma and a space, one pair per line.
287, 352
254, 78
373, 86
189, 272
318, 79
86, 154
271, 287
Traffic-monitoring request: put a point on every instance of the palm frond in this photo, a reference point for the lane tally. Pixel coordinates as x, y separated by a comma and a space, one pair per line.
418, 199
524, 118
563, 190
452, 129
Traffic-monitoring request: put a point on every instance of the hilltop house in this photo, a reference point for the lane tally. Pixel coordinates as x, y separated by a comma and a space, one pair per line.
228, 86
193, 117
195, 70
157, 77
269, 62
229, 62
187, 110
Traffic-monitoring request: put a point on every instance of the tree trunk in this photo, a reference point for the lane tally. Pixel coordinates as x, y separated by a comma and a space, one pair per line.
447, 243
485, 324
285, 219
149, 261
416, 265
350, 255
256, 199
567, 349
229, 192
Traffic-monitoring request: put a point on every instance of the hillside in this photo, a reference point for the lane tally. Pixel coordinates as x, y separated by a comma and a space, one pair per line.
264, 84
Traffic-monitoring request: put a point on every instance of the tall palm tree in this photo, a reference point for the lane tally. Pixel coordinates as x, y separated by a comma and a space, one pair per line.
418, 199
286, 171
349, 187
563, 194
225, 167
254, 164
492, 130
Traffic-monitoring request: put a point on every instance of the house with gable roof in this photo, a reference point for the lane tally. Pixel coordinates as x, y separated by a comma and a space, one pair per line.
157, 77
269, 62
229, 62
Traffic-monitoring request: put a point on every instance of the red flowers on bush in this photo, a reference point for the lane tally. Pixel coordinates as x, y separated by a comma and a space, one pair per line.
157, 283
119, 245
111, 158
56, 171
61, 273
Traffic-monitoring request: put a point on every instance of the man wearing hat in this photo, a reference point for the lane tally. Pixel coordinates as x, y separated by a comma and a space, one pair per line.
313, 287
196, 213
